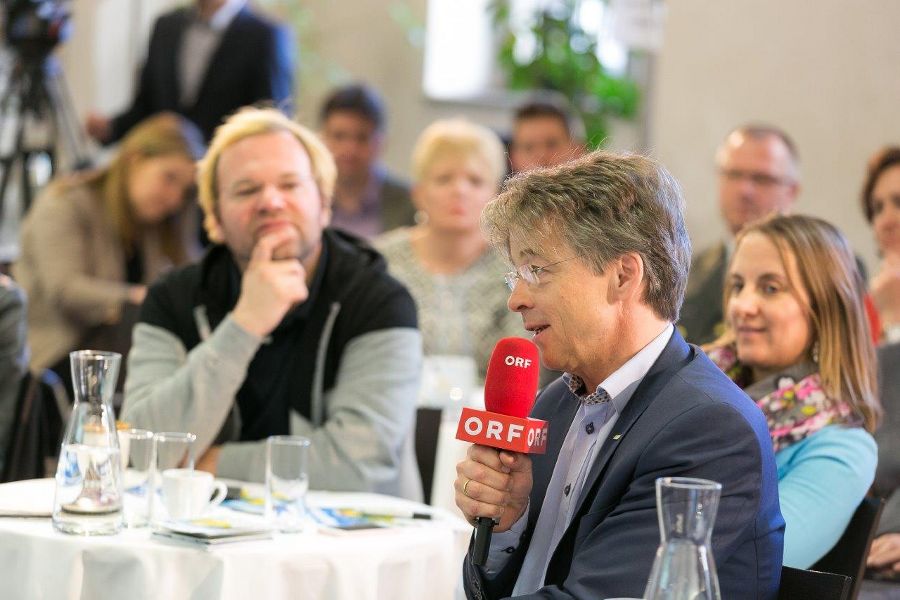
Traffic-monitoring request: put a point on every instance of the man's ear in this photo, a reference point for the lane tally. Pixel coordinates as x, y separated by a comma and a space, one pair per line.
213, 228
628, 275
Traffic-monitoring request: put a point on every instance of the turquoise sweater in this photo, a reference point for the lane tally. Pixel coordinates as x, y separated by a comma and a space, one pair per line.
821, 481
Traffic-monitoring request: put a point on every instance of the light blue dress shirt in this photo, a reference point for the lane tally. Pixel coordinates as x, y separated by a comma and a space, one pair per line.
590, 427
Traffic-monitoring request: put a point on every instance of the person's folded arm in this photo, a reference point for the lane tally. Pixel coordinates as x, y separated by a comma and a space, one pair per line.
169, 389
369, 417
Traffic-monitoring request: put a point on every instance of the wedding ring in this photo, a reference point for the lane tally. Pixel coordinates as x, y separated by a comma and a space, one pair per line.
465, 488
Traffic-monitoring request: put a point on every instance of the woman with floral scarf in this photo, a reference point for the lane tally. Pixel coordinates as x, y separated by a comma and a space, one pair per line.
798, 344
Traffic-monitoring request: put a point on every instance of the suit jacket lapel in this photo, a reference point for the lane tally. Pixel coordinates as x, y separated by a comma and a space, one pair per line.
230, 37
674, 356
543, 468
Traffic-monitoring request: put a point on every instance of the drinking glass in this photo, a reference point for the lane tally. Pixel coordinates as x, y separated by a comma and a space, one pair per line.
286, 482
172, 450
137, 475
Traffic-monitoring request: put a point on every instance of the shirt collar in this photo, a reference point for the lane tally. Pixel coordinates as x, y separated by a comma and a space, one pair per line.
623, 381
222, 18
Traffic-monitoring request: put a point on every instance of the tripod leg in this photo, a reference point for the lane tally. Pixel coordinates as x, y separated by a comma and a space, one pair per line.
7, 161
64, 118
27, 192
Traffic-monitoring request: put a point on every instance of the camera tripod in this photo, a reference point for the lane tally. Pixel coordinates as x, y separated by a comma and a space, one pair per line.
37, 122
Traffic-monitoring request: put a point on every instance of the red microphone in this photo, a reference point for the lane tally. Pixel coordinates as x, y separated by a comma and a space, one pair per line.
509, 392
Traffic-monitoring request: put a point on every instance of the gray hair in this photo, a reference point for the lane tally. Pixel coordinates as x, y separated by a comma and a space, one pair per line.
603, 205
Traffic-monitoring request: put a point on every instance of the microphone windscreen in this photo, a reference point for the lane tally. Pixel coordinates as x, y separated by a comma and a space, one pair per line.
512, 377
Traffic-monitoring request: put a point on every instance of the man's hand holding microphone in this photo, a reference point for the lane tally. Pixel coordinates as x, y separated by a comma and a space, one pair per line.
494, 482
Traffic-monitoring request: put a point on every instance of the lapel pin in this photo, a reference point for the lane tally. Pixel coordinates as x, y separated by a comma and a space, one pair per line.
617, 436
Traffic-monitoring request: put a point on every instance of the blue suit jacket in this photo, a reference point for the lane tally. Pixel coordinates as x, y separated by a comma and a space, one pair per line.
254, 62
685, 419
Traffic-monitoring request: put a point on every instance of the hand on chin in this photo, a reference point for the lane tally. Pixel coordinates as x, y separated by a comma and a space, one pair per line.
289, 248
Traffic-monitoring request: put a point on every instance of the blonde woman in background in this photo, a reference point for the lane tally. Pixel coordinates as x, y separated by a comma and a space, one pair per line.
798, 343
93, 241
446, 263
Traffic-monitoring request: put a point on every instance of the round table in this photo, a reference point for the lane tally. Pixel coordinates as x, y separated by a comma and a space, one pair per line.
421, 561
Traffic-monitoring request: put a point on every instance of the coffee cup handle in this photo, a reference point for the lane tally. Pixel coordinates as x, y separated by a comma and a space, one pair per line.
219, 495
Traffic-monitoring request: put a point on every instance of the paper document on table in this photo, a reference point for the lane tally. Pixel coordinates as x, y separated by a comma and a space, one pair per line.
354, 519
214, 530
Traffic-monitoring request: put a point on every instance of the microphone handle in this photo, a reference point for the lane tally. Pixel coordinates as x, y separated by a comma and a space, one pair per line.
483, 530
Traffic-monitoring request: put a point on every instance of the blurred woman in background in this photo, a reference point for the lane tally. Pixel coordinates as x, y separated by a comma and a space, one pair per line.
798, 343
881, 205
93, 241
445, 261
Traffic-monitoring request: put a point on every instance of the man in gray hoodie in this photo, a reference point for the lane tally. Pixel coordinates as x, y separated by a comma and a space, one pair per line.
284, 327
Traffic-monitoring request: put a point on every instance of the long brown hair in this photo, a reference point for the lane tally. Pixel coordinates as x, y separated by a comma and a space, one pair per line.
835, 288
163, 134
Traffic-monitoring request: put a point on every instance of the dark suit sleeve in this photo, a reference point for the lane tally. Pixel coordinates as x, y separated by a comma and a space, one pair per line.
142, 105
616, 544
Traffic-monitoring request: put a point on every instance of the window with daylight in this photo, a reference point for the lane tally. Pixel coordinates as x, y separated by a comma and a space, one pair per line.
462, 45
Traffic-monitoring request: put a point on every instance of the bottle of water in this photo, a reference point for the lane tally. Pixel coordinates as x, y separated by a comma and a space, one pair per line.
88, 499
684, 568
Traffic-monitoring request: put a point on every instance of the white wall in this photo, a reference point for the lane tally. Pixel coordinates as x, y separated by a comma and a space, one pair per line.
109, 42
824, 71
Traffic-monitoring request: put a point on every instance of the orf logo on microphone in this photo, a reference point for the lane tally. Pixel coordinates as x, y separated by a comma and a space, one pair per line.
505, 432
517, 361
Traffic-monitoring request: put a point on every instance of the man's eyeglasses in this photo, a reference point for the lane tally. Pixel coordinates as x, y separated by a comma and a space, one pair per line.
529, 273
756, 177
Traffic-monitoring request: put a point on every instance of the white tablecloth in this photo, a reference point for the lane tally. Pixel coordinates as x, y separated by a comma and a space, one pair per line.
406, 562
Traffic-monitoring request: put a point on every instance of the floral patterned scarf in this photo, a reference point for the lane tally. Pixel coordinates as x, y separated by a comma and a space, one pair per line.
794, 407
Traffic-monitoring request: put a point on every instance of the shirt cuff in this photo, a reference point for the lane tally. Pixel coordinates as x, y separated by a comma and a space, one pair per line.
503, 545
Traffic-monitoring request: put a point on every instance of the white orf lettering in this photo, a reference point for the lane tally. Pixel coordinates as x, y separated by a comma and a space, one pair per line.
515, 431
531, 437
520, 361
509, 360
527, 362
473, 425
494, 428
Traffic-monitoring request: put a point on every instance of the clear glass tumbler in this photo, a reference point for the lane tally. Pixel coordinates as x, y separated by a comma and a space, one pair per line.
286, 482
171, 450
137, 475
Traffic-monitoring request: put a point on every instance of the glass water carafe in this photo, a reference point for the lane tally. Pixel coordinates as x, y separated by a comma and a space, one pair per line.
88, 497
684, 568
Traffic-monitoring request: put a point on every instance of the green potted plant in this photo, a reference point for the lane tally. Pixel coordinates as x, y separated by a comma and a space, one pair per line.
564, 60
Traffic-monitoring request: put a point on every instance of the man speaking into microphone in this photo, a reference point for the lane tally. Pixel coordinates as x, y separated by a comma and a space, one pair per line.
601, 255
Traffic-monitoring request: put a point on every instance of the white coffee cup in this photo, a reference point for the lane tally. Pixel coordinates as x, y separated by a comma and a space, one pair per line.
186, 493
